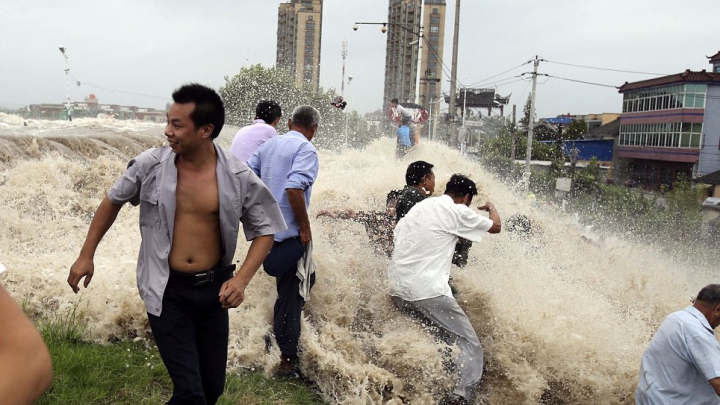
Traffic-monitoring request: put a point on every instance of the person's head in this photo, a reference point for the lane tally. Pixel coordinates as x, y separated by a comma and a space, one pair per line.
305, 119
461, 189
708, 302
394, 102
268, 111
391, 201
405, 121
419, 174
204, 106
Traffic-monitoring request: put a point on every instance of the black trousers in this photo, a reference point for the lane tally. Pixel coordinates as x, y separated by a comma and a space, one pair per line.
191, 334
281, 263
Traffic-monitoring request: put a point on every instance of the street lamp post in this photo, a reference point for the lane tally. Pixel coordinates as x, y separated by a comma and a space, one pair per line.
419, 34
349, 79
67, 86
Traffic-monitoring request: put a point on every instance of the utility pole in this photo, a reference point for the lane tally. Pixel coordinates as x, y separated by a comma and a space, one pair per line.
419, 55
344, 55
512, 132
531, 125
453, 69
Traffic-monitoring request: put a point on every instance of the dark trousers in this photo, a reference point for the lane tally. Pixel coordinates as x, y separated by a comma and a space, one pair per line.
191, 334
281, 263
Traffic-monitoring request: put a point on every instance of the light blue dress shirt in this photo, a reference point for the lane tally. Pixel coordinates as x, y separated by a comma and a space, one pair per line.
679, 362
283, 162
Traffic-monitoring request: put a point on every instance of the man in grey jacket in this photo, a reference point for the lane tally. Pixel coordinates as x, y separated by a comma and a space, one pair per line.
192, 196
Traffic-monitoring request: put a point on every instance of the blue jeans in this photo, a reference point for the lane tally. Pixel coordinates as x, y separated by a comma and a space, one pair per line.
191, 334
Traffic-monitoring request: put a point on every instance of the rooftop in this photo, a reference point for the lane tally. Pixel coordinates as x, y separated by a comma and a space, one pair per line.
687, 76
714, 58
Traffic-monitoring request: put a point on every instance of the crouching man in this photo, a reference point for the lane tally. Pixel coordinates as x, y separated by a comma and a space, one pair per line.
424, 243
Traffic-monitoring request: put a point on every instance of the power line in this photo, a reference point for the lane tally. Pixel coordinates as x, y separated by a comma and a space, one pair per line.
502, 73
608, 69
581, 81
112, 90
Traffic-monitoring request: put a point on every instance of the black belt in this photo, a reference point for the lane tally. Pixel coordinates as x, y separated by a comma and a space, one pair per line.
217, 272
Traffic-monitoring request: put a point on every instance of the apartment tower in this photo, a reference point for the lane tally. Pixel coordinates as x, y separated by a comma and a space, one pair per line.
402, 52
298, 40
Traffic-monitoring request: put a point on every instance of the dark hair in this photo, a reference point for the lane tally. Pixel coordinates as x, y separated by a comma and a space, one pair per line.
416, 171
460, 186
709, 294
405, 120
394, 101
209, 108
392, 195
305, 116
268, 111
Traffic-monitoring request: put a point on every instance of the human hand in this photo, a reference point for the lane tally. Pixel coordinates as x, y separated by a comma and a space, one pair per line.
232, 293
487, 207
305, 235
82, 267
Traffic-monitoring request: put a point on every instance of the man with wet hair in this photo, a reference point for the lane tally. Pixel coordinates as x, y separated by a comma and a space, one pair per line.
288, 164
682, 363
193, 196
420, 270
419, 184
250, 138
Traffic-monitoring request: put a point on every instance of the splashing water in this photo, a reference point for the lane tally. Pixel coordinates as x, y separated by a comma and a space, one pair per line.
562, 321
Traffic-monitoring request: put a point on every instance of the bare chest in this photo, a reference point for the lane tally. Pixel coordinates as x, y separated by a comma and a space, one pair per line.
197, 192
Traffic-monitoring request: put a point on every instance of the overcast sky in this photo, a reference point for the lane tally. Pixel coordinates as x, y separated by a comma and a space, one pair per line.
136, 52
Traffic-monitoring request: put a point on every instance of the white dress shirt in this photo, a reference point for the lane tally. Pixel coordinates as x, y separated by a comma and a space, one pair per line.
424, 244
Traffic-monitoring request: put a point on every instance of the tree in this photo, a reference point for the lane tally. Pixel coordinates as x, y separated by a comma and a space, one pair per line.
242, 92
576, 130
525, 120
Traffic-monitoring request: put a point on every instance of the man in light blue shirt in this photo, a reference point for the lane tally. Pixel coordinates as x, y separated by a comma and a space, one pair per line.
288, 165
682, 363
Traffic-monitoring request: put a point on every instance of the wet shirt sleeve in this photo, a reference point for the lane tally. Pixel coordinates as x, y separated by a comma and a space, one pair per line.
705, 353
127, 187
261, 213
471, 225
304, 169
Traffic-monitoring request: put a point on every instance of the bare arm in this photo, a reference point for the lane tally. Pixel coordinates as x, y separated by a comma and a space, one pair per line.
715, 382
334, 214
494, 217
296, 197
232, 292
101, 222
25, 364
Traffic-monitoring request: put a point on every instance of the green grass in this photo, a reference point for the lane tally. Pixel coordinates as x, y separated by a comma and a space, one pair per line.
133, 374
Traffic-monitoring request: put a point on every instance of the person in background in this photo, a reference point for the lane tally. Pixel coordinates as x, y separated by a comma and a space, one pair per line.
420, 270
250, 138
406, 114
25, 363
193, 195
379, 225
419, 184
681, 365
404, 142
289, 166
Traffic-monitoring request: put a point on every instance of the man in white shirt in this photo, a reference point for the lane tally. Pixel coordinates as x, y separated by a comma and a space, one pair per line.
424, 243
250, 138
682, 363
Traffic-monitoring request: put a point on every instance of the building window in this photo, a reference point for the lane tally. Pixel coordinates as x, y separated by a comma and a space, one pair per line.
434, 38
434, 20
434, 29
669, 135
436, 11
